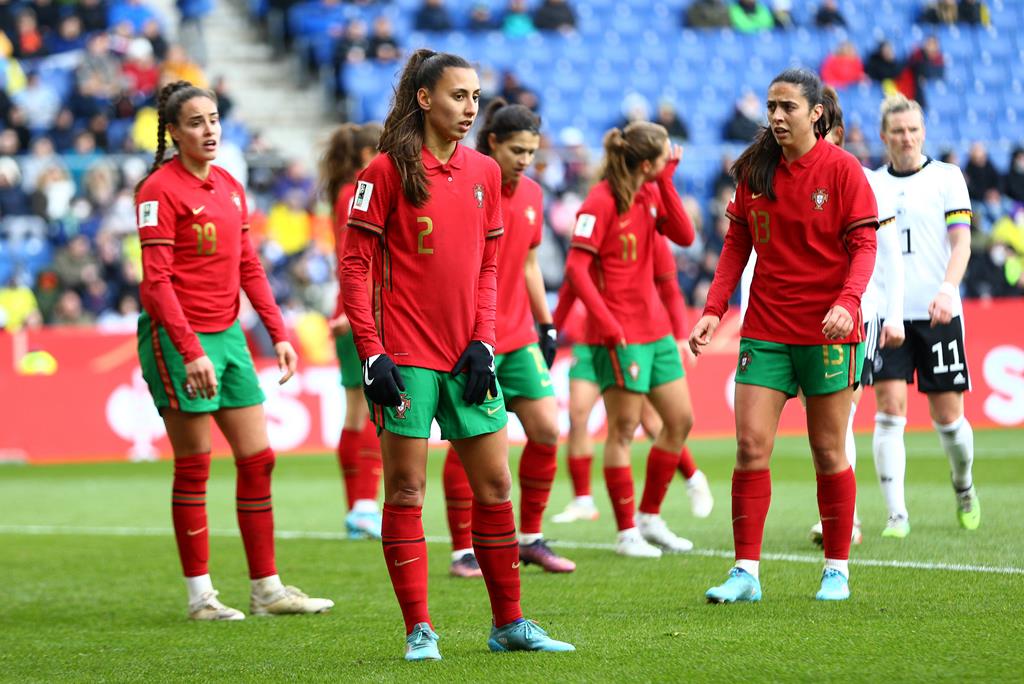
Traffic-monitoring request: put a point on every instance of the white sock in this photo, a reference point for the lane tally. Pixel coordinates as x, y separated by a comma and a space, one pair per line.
851, 444
891, 460
197, 586
530, 538
459, 553
364, 506
750, 566
840, 565
267, 585
587, 500
957, 439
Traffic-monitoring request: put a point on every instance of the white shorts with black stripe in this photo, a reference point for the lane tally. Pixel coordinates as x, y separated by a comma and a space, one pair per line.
872, 362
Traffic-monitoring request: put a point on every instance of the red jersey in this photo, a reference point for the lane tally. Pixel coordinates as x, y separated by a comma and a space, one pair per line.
522, 213
342, 206
811, 251
197, 256
434, 267
666, 278
623, 269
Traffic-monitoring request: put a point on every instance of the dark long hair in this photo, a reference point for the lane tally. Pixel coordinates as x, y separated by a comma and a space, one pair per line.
624, 150
168, 107
756, 166
402, 138
342, 158
504, 121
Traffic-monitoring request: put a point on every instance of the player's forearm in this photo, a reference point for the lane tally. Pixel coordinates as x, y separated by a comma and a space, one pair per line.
960, 245
577, 272
487, 294
672, 297
160, 301
862, 246
677, 225
257, 289
732, 261
339, 254
566, 298
535, 289
359, 249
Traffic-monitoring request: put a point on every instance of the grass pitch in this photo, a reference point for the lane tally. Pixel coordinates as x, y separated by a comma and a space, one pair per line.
92, 588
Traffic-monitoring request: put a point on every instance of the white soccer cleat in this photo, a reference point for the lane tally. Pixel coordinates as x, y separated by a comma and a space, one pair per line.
631, 544
818, 538
701, 501
287, 601
577, 509
207, 607
655, 531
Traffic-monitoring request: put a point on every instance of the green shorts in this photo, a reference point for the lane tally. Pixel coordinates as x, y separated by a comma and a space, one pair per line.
430, 395
348, 359
638, 367
523, 373
814, 368
582, 367
164, 369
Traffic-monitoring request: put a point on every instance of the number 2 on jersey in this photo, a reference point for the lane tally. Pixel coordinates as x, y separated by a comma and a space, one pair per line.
420, 246
206, 238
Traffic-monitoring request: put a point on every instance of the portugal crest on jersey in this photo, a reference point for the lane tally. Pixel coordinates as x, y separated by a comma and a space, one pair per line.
531, 215
744, 361
819, 197
403, 407
634, 371
237, 199
478, 192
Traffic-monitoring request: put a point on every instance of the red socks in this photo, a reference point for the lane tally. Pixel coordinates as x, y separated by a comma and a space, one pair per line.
687, 466
751, 497
497, 551
579, 471
359, 458
536, 474
459, 500
348, 460
255, 515
661, 466
620, 489
837, 497
405, 553
188, 511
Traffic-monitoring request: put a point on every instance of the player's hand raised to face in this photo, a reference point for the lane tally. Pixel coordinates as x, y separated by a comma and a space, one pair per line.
287, 360
702, 333
837, 324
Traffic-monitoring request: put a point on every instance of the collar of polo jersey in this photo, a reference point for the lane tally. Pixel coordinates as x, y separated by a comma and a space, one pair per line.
431, 163
188, 176
808, 158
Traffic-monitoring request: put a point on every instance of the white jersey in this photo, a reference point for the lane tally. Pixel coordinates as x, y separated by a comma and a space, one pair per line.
928, 203
884, 294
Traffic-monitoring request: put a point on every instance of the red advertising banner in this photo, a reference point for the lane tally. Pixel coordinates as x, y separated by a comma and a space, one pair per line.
79, 394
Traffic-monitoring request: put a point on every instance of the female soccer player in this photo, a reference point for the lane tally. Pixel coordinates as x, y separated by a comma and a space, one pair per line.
614, 243
510, 135
195, 257
809, 210
584, 393
350, 149
427, 213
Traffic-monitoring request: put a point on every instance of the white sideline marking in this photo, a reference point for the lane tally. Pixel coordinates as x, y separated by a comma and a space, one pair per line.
305, 534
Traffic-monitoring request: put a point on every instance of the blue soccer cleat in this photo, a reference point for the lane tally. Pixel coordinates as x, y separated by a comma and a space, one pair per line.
741, 586
363, 525
834, 586
422, 643
525, 635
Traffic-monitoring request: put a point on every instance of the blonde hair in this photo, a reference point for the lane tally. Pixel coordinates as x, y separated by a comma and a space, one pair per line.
624, 150
897, 103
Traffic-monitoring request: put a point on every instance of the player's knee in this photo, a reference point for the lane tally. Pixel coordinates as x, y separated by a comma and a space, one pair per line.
828, 459
405, 490
544, 432
622, 428
752, 451
494, 488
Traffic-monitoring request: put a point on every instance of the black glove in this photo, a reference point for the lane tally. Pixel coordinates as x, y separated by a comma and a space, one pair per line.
478, 361
548, 343
382, 382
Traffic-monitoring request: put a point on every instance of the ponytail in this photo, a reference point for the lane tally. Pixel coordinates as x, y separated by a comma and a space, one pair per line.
402, 138
504, 121
168, 106
624, 150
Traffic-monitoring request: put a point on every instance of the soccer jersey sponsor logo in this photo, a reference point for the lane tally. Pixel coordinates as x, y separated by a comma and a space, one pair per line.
364, 191
585, 225
148, 212
753, 195
198, 210
819, 197
478, 193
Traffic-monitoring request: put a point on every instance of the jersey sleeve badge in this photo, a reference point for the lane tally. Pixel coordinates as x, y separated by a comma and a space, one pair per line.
585, 225
364, 191
148, 213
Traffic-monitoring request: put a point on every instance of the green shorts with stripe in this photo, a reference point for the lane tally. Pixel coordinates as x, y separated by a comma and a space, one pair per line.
638, 367
430, 395
582, 367
348, 360
164, 369
523, 373
814, 368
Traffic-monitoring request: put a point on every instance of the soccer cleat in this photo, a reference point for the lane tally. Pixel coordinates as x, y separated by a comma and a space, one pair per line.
421, 644
539, 553
525, 635
818, 539
363, 525
465, 567
701, 501
630, 543
209, 608
576, 510
287, 601
968, 509
834, 586
897, 527
655, 531
741, 586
